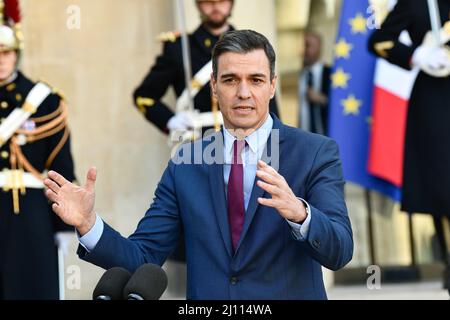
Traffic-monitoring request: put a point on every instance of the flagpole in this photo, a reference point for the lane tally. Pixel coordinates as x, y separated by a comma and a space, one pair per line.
61, 280
368, 198
411, 240
186, 55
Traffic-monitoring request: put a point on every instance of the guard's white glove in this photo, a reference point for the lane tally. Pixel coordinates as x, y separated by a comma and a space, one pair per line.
433, 60
63, 240
180, 121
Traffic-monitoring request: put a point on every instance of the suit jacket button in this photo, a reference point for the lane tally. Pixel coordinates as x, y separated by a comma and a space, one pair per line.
316, 243
233, 280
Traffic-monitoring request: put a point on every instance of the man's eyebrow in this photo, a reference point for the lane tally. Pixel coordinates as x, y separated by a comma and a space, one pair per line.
258, 75
228, 75
253, 75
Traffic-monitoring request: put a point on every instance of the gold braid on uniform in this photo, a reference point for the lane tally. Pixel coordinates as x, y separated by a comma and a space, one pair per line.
46, 126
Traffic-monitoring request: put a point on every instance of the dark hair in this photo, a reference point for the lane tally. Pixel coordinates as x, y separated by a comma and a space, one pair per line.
243, 41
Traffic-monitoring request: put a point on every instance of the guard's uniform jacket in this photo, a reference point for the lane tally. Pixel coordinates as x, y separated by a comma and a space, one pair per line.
28, 255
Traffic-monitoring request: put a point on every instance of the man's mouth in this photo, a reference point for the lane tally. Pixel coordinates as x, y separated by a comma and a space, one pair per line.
243, 108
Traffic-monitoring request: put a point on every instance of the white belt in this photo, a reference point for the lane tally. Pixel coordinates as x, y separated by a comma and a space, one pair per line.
15, 178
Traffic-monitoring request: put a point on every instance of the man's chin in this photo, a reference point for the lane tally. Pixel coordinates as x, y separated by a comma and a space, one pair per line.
216, 24
244, 125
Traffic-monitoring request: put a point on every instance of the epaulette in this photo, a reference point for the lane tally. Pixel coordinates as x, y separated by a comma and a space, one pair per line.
55, 90
59, 92
169, 36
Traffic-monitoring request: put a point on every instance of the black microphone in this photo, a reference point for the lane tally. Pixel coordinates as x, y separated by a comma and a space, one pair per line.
147, 283
110, 286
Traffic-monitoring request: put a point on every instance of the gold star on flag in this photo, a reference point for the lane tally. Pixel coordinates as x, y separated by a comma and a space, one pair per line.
351, 105
358, 24
339, 78
342, 49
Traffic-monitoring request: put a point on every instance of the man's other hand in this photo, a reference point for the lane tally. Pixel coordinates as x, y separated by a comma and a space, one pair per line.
283, 198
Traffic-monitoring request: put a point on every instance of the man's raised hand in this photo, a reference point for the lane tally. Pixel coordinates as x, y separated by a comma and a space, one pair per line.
73, 204
283, 198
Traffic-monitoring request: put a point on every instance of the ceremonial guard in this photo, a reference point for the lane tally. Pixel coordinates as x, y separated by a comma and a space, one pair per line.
34, 138
426, 171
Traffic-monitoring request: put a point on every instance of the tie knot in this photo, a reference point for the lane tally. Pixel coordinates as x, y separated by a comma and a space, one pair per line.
238, 146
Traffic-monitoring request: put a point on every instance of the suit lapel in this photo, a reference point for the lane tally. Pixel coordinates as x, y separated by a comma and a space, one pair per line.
219, 200
257, 192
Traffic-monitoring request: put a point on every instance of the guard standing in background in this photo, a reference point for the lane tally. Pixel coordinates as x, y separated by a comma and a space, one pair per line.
314, 87
34, 138
426, 171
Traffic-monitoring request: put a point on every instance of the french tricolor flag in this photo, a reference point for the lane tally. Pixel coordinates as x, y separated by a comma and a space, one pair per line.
392, 89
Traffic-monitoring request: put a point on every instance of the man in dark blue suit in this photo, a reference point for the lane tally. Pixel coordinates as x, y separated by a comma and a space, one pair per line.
263, 229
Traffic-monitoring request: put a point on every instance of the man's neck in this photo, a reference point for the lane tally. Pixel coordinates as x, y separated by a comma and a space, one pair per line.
8, 80
217, 31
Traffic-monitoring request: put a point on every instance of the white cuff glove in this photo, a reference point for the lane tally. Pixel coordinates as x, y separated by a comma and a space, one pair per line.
63, 240
433, 60
180, 121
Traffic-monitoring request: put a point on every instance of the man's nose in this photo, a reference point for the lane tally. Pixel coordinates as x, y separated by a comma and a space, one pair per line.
244, 90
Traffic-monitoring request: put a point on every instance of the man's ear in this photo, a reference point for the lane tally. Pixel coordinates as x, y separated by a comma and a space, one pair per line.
273, 86
213, 85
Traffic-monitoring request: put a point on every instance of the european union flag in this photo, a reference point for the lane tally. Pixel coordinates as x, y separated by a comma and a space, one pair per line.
351, 96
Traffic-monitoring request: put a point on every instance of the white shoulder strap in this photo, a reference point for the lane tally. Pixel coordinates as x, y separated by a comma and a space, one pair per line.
19, 115
198, 81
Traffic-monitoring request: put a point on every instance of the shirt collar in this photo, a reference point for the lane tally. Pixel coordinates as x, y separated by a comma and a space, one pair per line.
256, 141
314, 68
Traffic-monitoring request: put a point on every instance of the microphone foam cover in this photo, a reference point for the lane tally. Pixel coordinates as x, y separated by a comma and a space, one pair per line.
149, 281
111, 283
